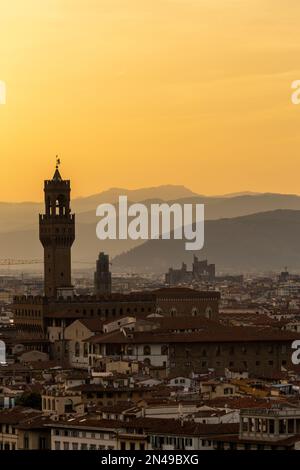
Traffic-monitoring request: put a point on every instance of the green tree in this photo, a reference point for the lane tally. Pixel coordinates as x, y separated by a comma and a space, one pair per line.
31, 400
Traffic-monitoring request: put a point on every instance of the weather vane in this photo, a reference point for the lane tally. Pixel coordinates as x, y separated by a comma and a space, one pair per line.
57, 162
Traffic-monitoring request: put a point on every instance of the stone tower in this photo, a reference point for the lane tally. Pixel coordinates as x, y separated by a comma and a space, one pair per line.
57, 234
102, 278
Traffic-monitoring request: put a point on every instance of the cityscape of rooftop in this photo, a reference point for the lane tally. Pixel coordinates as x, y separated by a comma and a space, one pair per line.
150, 227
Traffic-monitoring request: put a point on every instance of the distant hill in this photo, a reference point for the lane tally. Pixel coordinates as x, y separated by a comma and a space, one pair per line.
258, 242
24, 216
164, 193
19, 230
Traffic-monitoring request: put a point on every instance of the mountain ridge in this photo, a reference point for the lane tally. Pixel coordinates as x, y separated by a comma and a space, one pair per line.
256, 242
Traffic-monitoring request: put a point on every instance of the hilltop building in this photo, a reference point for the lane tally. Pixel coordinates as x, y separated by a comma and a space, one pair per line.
201, 270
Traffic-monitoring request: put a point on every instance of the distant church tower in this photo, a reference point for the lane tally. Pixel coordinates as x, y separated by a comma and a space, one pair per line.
102, 278
57, 234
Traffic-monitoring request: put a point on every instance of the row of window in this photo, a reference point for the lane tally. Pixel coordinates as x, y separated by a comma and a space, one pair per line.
84, 434
179, 443
86, 446
28, 313
114, 311
129, 351
174, 441
165, 351
263, 425
245, 446
49, 404
7, 446
116, 394
231, 364
233, 350
83, 446
99, 312
7, 429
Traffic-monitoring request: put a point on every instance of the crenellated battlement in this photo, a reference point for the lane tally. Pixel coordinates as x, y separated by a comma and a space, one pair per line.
57, 234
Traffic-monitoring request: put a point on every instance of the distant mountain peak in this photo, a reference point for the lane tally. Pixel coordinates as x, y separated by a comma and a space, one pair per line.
238, 194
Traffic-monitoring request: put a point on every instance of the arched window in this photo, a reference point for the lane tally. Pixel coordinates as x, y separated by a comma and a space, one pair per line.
147, 350
194, 312
61, 204
173, 312
208, 312
77, 349
68, 405
164, 350
85, 349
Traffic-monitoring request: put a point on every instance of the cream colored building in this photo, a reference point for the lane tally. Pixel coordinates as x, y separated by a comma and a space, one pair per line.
214, 389
58, 403
9, 421
122, 367
75, 336
83, 434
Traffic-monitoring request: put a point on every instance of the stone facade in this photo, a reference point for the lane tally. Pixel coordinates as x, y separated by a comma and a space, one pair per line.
57, 234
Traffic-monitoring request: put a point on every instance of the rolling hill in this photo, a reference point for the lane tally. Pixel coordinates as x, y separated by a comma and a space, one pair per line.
258, 242
242, 231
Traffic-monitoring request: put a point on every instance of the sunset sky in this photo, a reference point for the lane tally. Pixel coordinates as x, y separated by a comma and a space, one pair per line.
134, 93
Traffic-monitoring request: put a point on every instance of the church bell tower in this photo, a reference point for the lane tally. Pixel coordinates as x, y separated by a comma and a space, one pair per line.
57, 234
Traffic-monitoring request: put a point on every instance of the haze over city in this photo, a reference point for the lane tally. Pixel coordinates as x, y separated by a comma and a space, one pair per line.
149, 230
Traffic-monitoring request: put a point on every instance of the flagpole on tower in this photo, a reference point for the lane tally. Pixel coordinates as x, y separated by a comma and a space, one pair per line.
57, 162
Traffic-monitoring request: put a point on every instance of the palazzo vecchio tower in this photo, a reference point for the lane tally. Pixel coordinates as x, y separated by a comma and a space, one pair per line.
57, 234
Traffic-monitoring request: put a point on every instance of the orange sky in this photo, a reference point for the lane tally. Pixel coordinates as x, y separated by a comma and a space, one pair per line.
139, 93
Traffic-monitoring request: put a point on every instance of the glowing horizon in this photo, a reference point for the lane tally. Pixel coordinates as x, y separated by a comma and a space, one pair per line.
137, 94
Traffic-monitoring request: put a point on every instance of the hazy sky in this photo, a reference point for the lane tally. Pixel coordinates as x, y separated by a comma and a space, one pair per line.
139, 93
